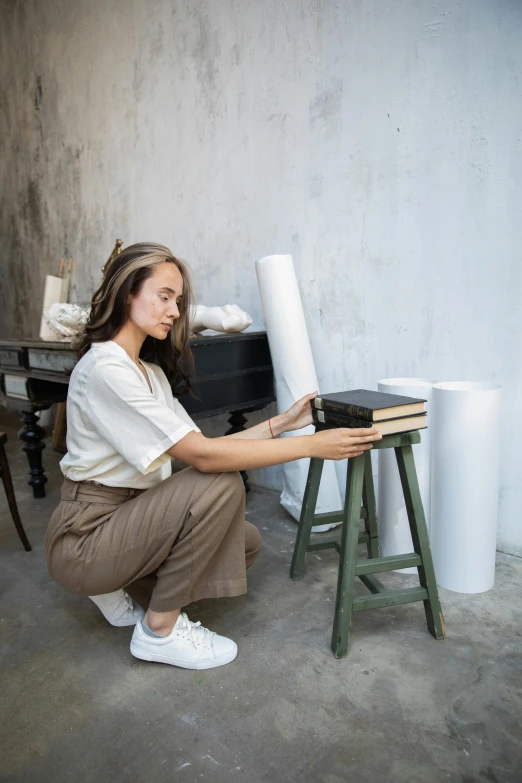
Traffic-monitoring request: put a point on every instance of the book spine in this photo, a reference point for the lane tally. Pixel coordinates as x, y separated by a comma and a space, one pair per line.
336, 420
357, 411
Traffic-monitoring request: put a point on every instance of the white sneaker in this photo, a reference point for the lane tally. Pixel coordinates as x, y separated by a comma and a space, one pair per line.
118, 608
188, 645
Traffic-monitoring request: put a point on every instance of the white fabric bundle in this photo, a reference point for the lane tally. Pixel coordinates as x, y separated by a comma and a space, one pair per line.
66, 321
294, 372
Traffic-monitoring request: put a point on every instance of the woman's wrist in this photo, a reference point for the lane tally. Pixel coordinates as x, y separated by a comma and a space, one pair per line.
277, 425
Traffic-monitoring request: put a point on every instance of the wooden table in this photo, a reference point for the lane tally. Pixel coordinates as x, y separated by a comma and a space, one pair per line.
234, 375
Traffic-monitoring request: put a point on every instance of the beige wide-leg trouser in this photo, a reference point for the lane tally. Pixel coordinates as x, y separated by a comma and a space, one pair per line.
168, 546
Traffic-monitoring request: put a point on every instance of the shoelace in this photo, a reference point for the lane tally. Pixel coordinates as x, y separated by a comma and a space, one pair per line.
126, 601
195, 633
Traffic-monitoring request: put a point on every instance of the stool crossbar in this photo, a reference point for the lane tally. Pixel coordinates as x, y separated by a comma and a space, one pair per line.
360, 505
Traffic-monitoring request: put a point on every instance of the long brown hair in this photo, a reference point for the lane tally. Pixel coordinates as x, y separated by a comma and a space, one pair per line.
110, 309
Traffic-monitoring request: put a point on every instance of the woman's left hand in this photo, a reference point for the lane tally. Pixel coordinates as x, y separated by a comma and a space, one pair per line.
300, 414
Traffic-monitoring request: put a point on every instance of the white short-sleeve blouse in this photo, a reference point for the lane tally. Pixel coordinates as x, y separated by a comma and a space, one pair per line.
117, 430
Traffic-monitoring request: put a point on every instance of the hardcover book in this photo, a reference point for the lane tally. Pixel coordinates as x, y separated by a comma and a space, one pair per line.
387, 427
369, 405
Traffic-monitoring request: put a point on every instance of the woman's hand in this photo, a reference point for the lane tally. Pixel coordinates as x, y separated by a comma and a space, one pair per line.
343, 443
337, 443
300, 414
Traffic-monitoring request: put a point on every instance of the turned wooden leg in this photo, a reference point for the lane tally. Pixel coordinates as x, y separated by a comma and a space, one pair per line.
370, 522
31, 434
237, 424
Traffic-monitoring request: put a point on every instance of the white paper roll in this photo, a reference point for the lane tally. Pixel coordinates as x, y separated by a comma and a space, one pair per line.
394, 529
464, 484
295, 374
52, 294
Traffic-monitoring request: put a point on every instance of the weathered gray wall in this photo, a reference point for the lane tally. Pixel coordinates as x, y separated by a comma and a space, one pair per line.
379, 142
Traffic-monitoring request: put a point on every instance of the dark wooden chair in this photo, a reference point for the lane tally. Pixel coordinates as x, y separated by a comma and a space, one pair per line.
5, 475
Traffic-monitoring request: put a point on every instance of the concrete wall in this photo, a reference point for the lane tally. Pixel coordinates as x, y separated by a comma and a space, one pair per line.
379, 142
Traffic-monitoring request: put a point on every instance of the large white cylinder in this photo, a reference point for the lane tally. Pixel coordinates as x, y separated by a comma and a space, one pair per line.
394, 529
465, 484
295, 375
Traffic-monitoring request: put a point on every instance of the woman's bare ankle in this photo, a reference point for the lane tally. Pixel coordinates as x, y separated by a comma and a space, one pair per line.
161, 622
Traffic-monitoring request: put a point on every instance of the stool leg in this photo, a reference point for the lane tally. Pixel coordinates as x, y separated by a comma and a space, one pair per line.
9, 491
306, 520
370, 523
348, 557
421, 542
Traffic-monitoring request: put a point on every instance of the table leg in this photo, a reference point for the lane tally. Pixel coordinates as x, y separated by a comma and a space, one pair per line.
31, 434
370, 523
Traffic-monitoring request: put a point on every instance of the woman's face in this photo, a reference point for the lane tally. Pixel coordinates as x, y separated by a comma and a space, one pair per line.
155, 308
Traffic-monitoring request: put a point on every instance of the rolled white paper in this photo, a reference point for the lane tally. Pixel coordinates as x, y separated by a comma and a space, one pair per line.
394, 529
53, 292
295, 375
465, 484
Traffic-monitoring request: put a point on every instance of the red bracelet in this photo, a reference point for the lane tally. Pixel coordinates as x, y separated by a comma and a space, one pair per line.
271, 428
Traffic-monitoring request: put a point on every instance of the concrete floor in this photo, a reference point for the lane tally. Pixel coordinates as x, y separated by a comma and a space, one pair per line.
401, 707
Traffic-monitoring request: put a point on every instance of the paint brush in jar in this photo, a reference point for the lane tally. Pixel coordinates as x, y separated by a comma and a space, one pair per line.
67, 281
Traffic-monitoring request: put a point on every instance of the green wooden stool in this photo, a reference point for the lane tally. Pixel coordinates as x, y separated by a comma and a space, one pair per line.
360, 504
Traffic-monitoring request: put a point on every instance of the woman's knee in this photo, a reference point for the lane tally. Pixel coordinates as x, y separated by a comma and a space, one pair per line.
231, 485
234, 481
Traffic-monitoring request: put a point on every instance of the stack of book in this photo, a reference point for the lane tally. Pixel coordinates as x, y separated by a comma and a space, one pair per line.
389, 413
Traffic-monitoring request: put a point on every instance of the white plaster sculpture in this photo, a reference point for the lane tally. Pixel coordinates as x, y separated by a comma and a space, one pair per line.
66, 320
229, 318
